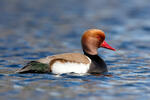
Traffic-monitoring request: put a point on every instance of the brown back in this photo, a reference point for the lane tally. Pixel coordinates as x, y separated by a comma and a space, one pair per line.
71, 57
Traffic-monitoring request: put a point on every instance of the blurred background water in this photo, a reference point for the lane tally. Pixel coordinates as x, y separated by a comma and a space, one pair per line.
31, 29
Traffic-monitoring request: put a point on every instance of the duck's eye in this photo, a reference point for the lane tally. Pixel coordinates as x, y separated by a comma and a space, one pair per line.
98, 37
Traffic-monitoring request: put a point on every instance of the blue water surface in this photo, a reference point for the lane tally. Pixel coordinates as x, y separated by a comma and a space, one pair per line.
31, 29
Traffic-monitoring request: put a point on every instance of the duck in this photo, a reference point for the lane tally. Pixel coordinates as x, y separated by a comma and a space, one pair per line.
88, 62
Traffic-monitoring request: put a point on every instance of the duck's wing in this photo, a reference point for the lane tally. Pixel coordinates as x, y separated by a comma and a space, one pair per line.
34, 67
38, 66
73, 57
44, 65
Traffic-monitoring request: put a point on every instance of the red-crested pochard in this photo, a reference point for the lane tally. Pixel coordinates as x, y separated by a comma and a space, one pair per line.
89, 62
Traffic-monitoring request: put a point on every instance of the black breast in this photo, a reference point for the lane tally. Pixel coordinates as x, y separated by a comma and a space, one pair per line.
98, 66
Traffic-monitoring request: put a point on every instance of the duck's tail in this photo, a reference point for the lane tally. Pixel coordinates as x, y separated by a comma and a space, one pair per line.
34, 67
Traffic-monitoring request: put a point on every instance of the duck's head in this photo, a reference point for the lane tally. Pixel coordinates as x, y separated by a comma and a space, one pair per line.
93, 39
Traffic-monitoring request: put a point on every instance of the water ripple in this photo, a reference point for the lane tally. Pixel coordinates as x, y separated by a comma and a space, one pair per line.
29, 31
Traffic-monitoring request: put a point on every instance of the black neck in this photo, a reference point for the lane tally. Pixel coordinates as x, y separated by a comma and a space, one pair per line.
99, 65
94, 58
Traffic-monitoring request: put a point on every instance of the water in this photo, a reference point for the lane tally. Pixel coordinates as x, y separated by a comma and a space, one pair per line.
31, 30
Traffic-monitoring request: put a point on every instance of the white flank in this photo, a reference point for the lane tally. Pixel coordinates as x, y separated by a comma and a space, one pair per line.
68, 67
